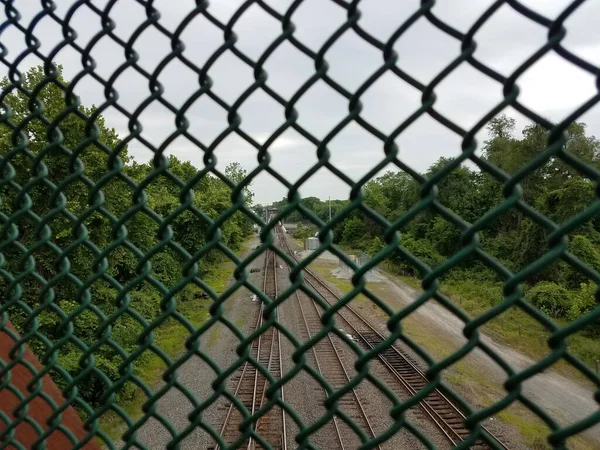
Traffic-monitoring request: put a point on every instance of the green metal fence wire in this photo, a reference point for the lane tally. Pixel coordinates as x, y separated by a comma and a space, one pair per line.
23, 208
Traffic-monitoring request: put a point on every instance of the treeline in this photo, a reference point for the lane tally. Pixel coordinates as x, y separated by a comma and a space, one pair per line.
87, 256
555, 189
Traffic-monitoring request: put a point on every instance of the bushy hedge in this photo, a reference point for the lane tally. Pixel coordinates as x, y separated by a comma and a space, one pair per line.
551, 298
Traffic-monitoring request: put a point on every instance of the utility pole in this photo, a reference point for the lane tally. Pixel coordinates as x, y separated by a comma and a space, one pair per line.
330, 208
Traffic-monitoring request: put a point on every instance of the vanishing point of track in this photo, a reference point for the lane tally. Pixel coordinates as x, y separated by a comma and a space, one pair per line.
251, 385
443, 413
331, 367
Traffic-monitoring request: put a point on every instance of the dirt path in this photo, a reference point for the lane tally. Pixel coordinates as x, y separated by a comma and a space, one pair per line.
565, 400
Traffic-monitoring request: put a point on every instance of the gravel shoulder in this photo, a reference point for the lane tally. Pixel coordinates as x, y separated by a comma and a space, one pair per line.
477, 377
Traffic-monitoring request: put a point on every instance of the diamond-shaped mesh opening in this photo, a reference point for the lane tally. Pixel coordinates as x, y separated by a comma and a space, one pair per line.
322, 225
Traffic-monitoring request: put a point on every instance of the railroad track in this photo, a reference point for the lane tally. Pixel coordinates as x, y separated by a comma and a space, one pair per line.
331, 367
443, 412
252, 385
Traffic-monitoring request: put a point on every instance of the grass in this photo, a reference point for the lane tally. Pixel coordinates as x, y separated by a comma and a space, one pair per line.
514, 327
466, 378
535, 431
170, 337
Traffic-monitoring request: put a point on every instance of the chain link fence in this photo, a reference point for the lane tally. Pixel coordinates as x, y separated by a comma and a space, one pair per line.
86, 237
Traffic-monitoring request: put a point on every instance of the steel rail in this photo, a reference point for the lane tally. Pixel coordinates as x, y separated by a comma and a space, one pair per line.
318, 364
359, 403
238, 385
259, 395
275, 344
450, 429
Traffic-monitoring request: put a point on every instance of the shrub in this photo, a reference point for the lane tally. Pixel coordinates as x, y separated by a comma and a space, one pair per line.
505, 248
376, 246
423, 249
302, 231
588, 253
585, 301
355, 232
479, 294
91, 387
444, 236
472, 271
551, 298
146, 302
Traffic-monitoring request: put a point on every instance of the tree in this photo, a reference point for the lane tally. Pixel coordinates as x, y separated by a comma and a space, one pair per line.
375, 197
501, 127
68, 154
237, 174
355, 232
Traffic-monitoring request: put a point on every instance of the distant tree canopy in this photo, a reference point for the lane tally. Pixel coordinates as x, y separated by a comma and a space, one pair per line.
68, 216
555, 189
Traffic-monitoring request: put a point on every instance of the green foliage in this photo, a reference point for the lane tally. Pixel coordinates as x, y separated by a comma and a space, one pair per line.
303, 231
551, 298
210, 195
355, 231
422, 249
376, 246
375, 197
587, 252
584, 300
473, 295
473, 271
318, 207
568, 199
505, 247
445, 236
237, 174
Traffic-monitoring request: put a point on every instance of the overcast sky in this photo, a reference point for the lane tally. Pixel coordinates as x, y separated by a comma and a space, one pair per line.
553, 87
